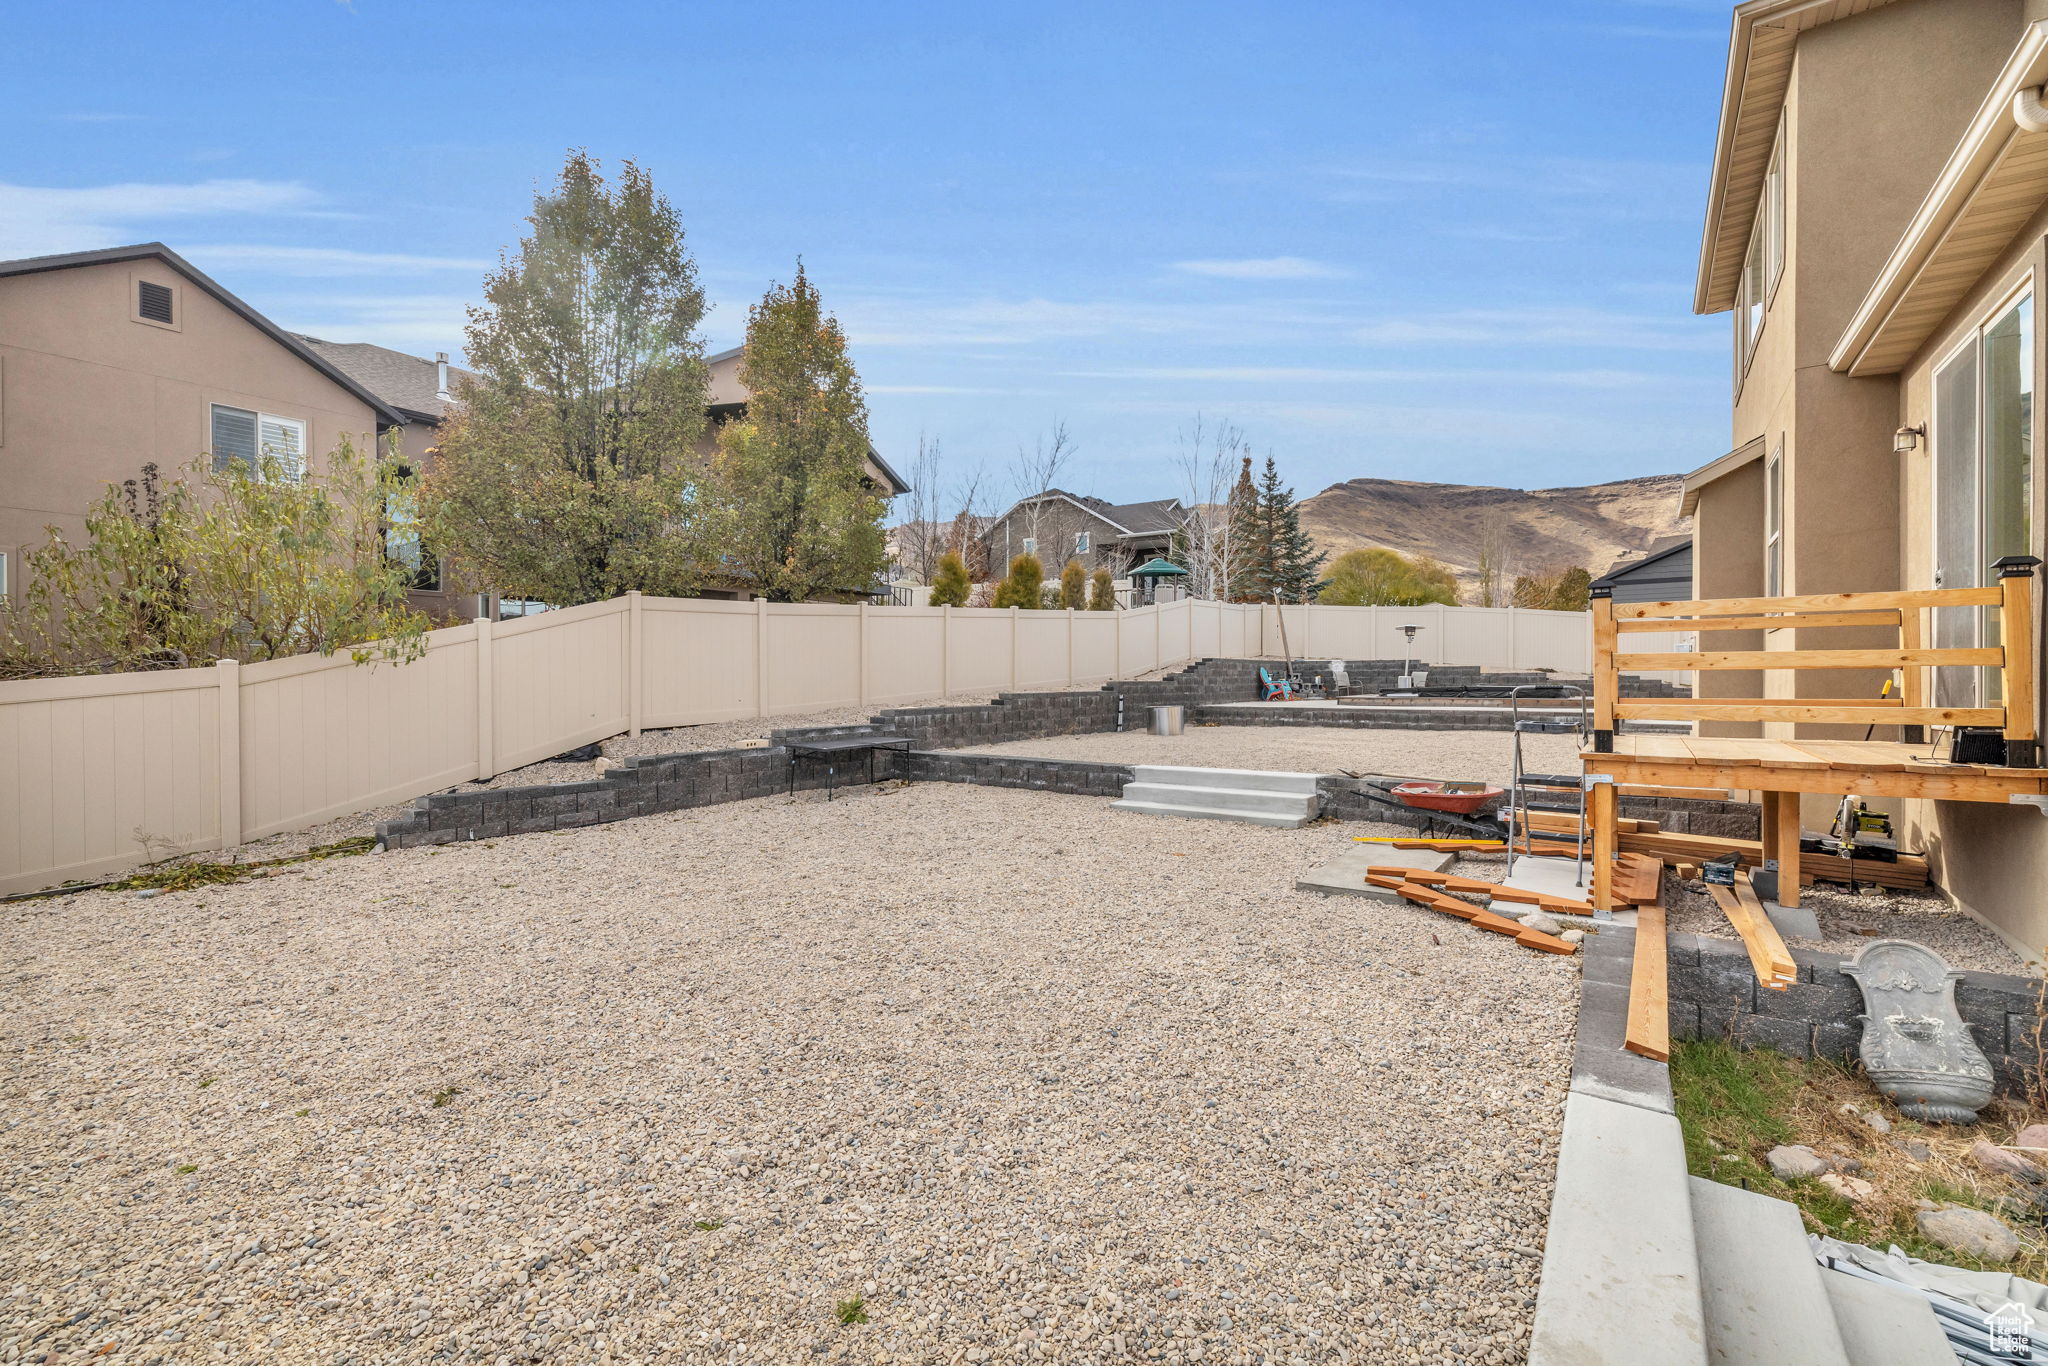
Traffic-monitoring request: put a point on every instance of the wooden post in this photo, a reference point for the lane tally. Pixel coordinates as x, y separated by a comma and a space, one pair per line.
1606, 682
1600, 811
1788, 847
633, 662
486, 696
1767, 827
2016, 639
228, 673
760, 656
946, 651
1913, 681
862, 648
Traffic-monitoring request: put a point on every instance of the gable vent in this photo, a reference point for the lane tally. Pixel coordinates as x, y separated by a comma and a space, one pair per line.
153, 301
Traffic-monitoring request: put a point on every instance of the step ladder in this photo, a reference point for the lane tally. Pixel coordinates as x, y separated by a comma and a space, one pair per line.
1523, 786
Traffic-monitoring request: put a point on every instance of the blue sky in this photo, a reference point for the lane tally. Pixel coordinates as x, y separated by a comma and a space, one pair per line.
1411, 240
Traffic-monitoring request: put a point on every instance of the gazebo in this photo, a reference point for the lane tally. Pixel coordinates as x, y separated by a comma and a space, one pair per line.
1145, 578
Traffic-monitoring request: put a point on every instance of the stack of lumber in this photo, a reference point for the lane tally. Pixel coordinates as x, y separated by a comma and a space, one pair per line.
1434, 891
1643, 837
1768, 956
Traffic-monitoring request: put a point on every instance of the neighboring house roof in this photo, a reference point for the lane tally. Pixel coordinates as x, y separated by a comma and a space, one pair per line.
143, 251
1761, 41
1662, 575
1994, 181
408, 383
737, 407
1129, 519
1689, 497
1660, 550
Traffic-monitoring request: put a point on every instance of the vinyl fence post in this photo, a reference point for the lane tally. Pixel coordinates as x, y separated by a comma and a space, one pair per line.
486, 694
1016, 616
946, 652
760, 656
1514, 645
863, 647
229, 675
1116, 664
1070, 647
633, 663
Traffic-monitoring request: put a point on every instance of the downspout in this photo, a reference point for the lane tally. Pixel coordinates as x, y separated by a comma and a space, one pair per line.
2028, 111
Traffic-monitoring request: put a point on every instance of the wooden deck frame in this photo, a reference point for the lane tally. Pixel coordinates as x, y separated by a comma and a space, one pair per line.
1901, 612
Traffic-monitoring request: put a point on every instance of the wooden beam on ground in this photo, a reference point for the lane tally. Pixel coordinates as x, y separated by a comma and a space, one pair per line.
1768, 956
1649, 988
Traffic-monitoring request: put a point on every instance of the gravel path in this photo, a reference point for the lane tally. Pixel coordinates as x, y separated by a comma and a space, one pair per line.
1463, 755
1030, 1078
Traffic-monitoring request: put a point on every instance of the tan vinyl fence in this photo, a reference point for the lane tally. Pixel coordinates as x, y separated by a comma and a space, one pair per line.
101, 773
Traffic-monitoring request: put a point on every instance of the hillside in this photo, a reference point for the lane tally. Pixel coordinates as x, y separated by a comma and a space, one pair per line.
1544, 530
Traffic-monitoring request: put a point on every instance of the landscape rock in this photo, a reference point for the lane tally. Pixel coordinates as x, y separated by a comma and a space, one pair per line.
1970, 1231
1573, 936
1996, 1159
1913, 1148
1791, 1162
1852, 1188
2033, 1136
1542, 923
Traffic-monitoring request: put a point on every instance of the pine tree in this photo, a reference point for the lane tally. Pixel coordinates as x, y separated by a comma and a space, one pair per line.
1245, 536
796, 512
1571, 592
1021, 587
951, 586
1073, 585
1282, 561
1101, 592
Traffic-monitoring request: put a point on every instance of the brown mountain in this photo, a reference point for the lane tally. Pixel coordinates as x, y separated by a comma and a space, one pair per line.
1542, 530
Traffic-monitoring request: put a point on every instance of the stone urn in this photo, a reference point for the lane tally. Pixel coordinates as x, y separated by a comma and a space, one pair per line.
1915, 1046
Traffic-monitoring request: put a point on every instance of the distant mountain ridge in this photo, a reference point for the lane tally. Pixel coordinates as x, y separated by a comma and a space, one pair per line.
1543, 530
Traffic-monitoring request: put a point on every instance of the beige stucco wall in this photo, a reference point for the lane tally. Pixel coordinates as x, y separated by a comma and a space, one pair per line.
88, 396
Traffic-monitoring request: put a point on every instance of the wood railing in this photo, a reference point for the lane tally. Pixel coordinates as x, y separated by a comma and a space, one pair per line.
1908, 705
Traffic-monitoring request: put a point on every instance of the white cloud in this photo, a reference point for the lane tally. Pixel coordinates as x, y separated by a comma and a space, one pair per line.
405, 322
1540, 326
330, 260
36, 220
1263, 268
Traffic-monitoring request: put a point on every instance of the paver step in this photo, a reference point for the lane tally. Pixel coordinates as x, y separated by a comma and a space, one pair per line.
1215, 814
1760, 1288
1223, 798
1231, 779
1882, 1326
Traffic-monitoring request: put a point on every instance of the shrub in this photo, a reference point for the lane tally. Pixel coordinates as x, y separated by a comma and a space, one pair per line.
1101, 592
950, 586
1020, 588
1387, 578
1073, 585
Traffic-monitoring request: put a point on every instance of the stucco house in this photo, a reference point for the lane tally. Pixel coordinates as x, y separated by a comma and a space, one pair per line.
1058, 526
1877, 226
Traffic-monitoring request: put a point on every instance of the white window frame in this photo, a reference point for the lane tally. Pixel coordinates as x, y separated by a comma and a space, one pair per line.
296, 467
1763, 262
1080, 543
3, 573
1774, 522
1030, 545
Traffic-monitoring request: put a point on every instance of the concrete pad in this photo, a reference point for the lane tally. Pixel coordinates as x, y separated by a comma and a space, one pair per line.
1555, 877
1759, 1285
1885, 1326
1794, 922
1621, 1284
1346, 872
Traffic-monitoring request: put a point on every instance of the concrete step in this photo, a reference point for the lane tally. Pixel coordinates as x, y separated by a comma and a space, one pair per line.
1621, 1283
1224, 798
1760, 1288
1214, 813
1883, 1326
1234, 779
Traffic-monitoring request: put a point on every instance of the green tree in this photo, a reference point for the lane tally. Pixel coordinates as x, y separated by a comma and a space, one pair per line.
1020, 587
951, 586
796, 511
1281, 560
1101, 592
1386, 578
1074, 586
567, 473
1571, 592
1246, 536
235, 563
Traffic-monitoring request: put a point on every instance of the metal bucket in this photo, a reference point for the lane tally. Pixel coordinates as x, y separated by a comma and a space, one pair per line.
1169, 720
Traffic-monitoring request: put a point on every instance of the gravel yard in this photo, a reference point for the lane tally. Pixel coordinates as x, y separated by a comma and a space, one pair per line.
1025, 1077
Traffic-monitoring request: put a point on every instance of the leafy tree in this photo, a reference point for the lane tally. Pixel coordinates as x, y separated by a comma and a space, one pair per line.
1020, 588
951, 586
567, 472
1101, 592
796, 513
1281, 559
1073, 586
1565, 591
236, 563
1386, 578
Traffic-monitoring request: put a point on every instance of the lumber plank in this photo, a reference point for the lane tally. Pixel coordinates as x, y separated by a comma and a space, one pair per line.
1548, 901
1817, 602
1606, 673
1852, 754
1877, 616
1768, 957
1485, 920
1787, 816
1914, 681
1649, 988
2016, 639
1383, 880
1600, 815
1544, 943
1416, 875
1808, 659
1690, 794
1837, 713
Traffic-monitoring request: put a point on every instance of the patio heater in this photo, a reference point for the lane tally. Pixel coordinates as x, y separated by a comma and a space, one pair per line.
1409, 677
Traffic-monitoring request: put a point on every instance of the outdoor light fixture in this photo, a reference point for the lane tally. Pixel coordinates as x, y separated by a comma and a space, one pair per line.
1907, 439
1409, 677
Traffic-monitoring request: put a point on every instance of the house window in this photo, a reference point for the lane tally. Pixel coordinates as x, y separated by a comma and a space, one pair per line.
1983, 482
239, 434
402, 543
1030, 545
1763, 263
1774, 523
1080, 543
3, 573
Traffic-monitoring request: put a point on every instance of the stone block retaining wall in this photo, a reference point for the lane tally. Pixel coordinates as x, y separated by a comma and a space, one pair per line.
1714, 995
